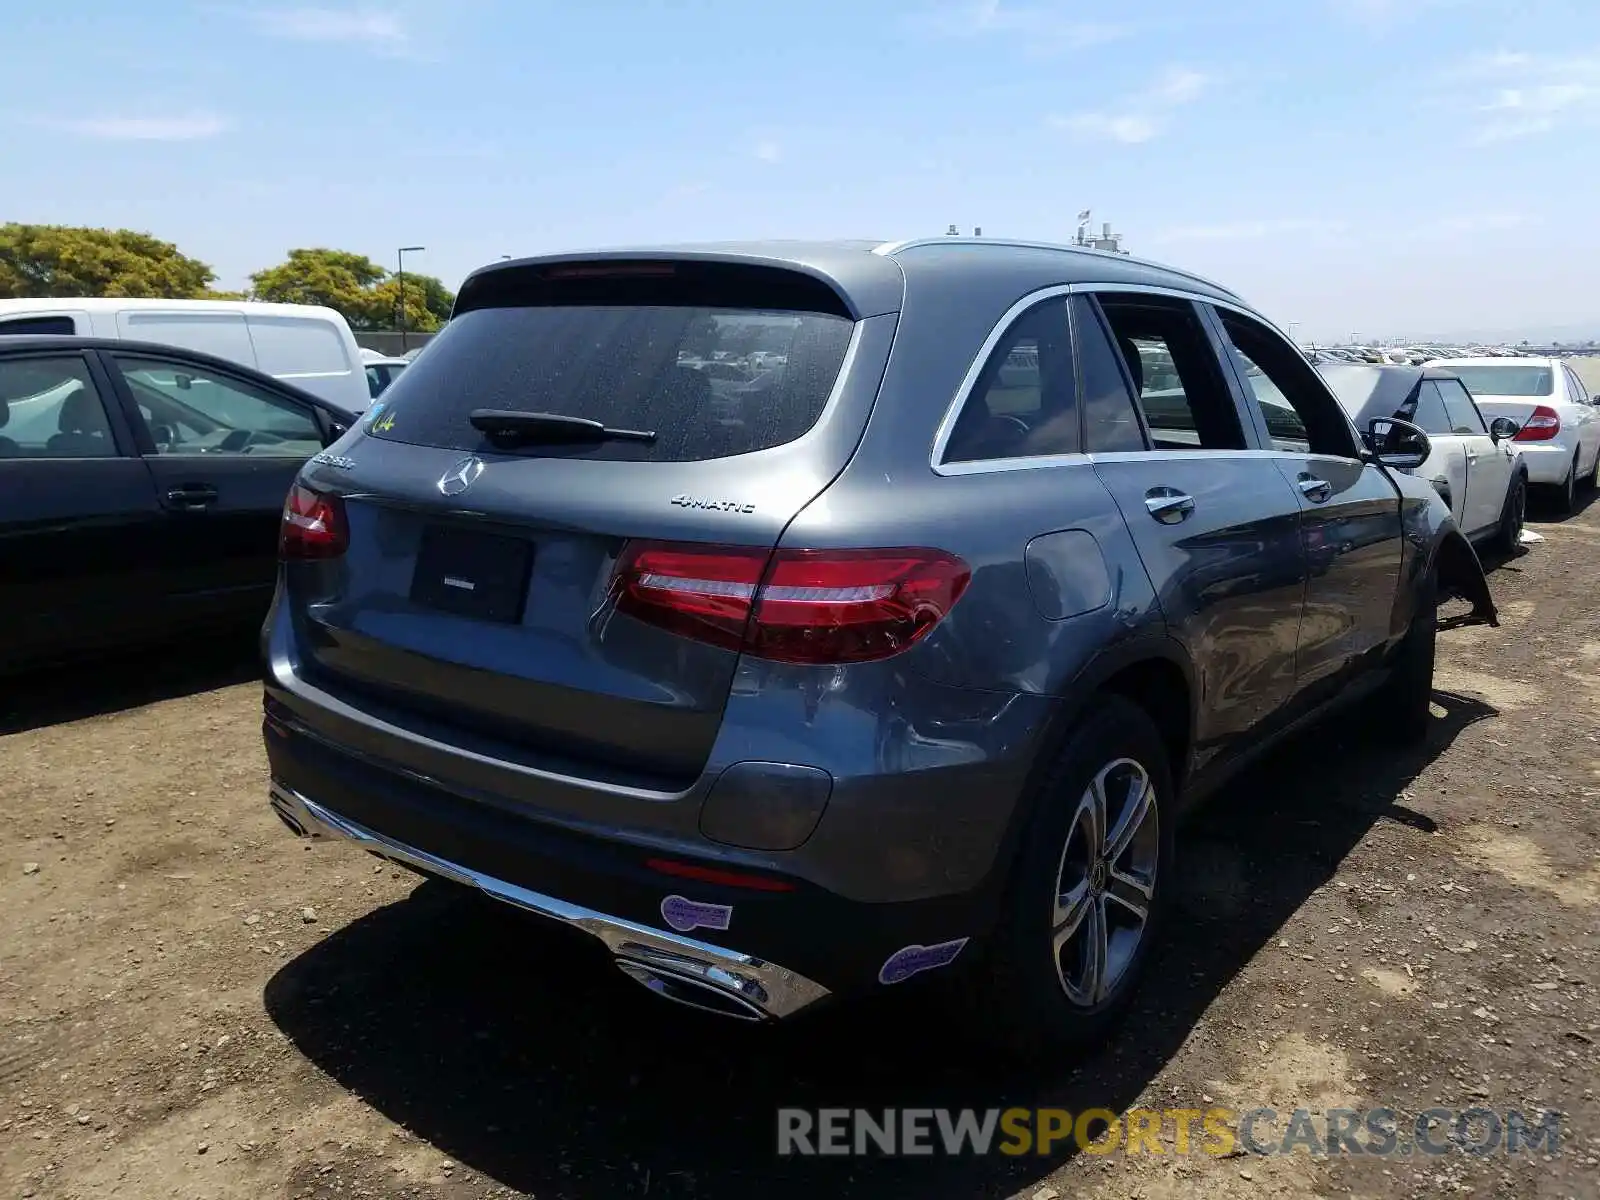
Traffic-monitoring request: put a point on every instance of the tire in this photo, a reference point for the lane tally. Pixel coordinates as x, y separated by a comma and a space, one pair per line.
1401, 712
1567, 491
1512, 514
1041, 995
1591, 481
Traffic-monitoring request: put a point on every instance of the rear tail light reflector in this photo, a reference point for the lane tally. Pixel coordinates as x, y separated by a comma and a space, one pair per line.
798, 606
735, 879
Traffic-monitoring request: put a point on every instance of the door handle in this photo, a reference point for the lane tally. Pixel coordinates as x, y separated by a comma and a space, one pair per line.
1314, 489
1168, 505
192, 497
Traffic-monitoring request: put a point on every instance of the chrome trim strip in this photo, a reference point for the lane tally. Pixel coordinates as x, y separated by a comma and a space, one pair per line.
991, 466
753, 982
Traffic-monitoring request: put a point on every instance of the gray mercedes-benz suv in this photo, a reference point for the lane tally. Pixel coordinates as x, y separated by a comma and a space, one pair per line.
798, 619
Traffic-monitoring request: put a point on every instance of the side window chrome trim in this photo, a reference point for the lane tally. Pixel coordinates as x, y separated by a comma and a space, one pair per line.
1001, 327
986, 466
952, 413
1117, 456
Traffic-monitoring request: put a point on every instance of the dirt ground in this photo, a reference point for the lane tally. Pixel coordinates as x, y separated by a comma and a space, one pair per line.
196, 1004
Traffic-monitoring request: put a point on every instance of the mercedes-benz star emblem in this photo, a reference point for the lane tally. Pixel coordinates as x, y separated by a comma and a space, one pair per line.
460, 477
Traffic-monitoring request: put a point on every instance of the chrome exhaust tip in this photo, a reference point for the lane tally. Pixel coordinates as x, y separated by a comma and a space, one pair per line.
690, 991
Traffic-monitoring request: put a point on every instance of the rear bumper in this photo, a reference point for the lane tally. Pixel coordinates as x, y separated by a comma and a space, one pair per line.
776, 949
748, 987
1547, 462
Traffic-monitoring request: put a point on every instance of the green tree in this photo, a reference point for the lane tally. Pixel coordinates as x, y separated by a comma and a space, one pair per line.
383, 305
335, 278
67, 261
363, 292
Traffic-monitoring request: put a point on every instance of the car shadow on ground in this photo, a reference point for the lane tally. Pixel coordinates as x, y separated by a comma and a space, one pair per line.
1544, 510
515, 1051
116, 682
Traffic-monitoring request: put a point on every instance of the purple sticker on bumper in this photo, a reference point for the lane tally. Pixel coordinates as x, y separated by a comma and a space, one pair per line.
684, 915
903, 964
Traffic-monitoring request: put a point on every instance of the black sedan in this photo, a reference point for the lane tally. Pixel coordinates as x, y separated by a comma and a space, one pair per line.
141, 489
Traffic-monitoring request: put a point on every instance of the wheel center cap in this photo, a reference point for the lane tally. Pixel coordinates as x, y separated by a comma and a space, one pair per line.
1097, 875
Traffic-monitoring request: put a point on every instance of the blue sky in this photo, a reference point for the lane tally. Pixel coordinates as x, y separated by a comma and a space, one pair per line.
1400, 167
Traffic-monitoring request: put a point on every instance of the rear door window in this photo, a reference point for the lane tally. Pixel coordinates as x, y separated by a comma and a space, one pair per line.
1110, 421
1580, 394
713, 363
1181, 390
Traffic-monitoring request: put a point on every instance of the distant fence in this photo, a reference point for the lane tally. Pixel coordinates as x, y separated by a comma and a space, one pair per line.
387, 341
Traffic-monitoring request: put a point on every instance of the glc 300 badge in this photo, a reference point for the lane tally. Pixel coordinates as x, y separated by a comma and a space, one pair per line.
334, 460
734, 506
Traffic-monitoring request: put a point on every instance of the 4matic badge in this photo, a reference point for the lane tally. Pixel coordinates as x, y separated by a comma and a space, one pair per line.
734, 506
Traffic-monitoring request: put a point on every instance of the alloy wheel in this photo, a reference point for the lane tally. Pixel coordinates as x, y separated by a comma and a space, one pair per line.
1106, 881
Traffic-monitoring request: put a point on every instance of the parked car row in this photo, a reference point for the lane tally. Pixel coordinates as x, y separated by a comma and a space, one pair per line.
1406, 356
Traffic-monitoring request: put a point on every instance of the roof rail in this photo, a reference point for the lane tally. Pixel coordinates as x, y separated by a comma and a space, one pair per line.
1024, 244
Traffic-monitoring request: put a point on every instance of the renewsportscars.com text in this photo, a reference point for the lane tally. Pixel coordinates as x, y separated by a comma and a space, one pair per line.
1219, 1132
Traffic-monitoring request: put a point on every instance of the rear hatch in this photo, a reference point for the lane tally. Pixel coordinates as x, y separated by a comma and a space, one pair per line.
476, 601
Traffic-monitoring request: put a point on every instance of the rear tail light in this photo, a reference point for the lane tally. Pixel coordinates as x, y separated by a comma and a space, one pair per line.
313, 525
1543, 425
797, 606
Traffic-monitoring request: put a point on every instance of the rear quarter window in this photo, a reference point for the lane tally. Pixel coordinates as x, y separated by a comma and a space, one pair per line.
734, 368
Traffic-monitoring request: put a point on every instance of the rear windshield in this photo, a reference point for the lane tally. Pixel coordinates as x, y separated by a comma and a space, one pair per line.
708, 381
1511, 379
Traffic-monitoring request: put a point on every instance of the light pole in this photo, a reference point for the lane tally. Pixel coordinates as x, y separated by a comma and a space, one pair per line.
400, 283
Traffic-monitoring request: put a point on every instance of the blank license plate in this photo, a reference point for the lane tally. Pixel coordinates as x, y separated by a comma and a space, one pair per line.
472, 574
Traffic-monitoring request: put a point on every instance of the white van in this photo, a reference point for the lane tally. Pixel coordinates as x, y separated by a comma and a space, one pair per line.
303, 344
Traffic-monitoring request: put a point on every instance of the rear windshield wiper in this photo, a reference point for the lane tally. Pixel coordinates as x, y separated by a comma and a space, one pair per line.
509, 425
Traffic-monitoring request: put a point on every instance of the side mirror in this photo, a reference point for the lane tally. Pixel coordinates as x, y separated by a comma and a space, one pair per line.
1503, 429
336, 430
1396, 443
